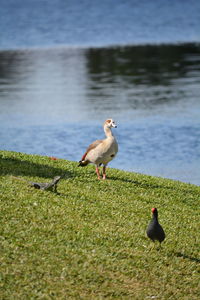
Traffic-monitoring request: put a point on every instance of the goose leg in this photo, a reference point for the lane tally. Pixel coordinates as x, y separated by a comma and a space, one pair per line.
104, 172
98, 174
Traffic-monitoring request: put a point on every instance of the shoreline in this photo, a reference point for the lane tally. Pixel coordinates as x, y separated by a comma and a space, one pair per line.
61, 47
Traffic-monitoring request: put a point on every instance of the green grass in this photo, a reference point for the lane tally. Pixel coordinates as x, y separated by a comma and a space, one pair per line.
89, 241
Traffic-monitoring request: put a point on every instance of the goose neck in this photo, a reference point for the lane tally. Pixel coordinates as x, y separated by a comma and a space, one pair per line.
108, 131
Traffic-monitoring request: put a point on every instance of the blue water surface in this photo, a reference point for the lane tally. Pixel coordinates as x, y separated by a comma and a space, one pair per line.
84, 23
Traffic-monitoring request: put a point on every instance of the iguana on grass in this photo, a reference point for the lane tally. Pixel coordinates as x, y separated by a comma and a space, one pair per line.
51, 186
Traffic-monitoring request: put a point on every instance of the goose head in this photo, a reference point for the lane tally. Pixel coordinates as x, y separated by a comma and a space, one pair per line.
110, 123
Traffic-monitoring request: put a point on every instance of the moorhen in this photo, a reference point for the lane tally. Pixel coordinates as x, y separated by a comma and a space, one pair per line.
154, 229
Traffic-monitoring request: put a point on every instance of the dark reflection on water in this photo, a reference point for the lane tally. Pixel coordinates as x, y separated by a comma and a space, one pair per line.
53, 102
144, 65
145, 77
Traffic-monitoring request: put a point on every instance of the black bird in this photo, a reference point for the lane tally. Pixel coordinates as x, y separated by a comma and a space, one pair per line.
154, 229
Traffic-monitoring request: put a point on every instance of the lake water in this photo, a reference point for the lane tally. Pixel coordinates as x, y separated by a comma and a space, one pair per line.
66, 66
86, 23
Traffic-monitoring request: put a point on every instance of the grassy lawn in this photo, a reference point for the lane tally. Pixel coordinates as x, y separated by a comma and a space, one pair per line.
89, 241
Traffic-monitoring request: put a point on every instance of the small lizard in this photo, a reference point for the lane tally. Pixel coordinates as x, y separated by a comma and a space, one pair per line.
51, 186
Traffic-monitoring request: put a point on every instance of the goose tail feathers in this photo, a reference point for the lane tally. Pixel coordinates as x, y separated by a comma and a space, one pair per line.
83, 163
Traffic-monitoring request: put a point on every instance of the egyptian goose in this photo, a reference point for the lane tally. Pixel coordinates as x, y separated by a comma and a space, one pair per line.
154, 229
100, 152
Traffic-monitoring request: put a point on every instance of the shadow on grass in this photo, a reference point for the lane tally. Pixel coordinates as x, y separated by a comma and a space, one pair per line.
179, 254
17, 167
150, 185
141, 184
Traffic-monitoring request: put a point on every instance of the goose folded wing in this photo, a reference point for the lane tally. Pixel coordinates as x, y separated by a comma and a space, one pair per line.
91, 147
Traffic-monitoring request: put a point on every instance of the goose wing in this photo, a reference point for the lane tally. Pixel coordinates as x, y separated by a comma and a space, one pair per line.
91, 146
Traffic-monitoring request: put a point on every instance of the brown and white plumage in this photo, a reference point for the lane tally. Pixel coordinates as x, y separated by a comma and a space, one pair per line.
101, 152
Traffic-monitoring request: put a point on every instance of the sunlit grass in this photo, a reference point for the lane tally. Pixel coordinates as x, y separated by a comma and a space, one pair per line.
88, 241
